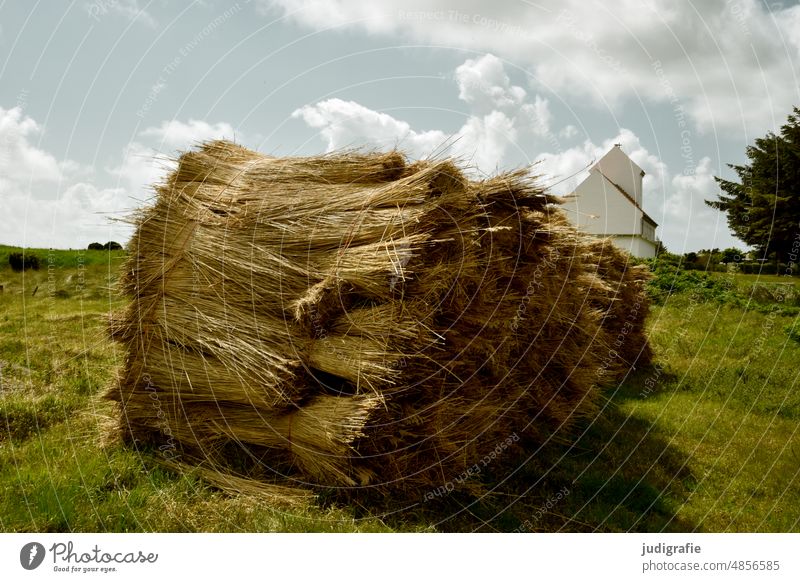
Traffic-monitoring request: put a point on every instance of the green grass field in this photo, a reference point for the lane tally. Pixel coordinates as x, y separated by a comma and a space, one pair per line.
705, 439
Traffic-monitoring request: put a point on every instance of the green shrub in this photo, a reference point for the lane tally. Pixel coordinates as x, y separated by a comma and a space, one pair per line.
670, 278
757, 268
20, 262
111, 245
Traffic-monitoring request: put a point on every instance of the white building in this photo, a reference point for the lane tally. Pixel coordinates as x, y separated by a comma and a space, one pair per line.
609, 203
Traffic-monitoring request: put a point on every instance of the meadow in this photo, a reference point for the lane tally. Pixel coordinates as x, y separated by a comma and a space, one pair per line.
704, 439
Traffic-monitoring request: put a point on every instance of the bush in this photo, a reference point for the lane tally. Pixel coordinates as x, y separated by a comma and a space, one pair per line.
20, 262
766, 268
670, 278
111, 245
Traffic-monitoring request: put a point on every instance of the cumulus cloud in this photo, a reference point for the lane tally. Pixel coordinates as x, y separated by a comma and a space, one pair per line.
128, 9
500, 113
51, 202
483, 83
486, 87
141, 167
538, 117
72, 218
347, 123
687, 215
730, 64
568, 132
178, 134
21, 161
43, 200
482, 141
148, 159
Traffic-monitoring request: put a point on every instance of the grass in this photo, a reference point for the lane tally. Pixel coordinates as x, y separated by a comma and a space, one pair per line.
705, 439
729, 404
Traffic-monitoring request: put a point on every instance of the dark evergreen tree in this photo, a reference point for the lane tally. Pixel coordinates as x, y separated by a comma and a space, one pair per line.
763, 208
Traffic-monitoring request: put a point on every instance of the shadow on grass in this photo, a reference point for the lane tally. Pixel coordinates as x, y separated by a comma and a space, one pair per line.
618, 475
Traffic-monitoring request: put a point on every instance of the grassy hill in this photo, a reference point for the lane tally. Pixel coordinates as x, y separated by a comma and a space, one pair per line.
706, 439
64, 258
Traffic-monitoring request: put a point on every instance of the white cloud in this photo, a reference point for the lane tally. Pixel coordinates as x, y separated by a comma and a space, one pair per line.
74, 218
568, 132
500, 113
730, 64
175, 134
128, 9
47, 202
20, 160
142, 166
484, 84
149, 158
325, 14
482, 141
43, 202
688, 215
347, 123
537, 116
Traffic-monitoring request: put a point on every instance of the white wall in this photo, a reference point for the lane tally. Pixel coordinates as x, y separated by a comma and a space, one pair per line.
648, 230
599, 208
636, 245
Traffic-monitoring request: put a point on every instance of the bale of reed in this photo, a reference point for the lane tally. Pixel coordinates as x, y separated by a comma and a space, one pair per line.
354, 320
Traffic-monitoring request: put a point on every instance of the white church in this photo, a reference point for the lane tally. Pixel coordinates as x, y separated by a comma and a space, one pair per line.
609, 203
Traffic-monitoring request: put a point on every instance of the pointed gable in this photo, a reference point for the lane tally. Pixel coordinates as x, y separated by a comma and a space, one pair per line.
622, 171
615, 156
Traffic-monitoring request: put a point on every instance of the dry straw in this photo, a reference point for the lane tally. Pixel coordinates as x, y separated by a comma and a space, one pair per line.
354, 320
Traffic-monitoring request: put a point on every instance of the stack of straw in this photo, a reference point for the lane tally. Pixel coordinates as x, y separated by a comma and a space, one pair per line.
356, 320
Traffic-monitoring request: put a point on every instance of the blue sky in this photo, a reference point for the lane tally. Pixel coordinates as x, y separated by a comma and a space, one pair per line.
95, 97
